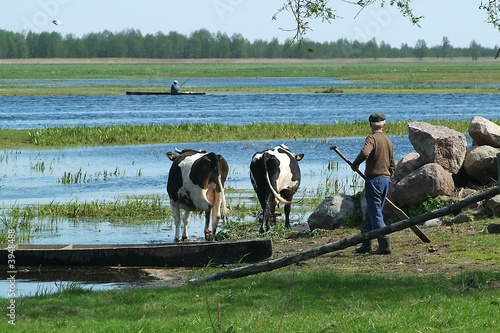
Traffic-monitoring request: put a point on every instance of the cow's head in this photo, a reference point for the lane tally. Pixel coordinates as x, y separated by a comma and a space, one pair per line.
284, 149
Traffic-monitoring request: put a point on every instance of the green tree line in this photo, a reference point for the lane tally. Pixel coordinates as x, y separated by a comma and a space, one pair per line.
131, 43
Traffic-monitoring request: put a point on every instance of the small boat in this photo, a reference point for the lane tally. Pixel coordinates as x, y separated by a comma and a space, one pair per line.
162, 93
194, 254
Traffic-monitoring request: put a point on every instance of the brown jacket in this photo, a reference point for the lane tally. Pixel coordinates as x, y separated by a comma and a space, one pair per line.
378, 152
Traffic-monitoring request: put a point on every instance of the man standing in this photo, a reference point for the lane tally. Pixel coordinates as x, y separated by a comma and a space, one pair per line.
174, 89
378, 152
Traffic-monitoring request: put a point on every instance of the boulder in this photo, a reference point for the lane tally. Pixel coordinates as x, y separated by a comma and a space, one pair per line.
481, 163
436, 222
431, 179
484, 132
438, 144
330, 213
492, 206
407, 165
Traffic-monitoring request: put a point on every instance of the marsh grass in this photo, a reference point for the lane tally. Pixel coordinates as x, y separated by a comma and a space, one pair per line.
129, 209
81, 177
145, 134
28, 220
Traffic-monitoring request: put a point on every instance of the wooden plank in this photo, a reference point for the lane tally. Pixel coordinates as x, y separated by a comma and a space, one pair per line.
196, 254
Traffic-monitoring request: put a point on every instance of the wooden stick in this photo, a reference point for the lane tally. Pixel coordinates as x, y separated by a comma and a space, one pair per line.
398, 211
267, 266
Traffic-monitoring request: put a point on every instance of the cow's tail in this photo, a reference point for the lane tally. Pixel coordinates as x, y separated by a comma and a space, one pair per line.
275, 193
223, 210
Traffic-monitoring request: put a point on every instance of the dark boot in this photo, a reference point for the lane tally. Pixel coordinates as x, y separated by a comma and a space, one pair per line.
384, 245
365, 247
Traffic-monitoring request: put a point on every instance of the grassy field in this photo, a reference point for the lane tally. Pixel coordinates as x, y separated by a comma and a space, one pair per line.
401, 72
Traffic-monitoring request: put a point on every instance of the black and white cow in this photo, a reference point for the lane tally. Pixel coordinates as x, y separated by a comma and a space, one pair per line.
196, 184
275, 176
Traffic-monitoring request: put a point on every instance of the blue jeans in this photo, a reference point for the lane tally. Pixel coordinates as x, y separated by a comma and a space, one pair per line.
376, 189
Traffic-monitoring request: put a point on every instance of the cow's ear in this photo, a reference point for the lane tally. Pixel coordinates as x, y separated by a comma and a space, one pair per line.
171, 156
299, 157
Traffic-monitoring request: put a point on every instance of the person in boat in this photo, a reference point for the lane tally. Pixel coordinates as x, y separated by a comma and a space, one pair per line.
174, 88
378, 152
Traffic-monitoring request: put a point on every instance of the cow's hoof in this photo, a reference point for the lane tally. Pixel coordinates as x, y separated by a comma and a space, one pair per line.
208, 236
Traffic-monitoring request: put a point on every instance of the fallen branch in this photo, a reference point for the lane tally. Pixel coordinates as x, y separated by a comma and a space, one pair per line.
494, 228
271, 265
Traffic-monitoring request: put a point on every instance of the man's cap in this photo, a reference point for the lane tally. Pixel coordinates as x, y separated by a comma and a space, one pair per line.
376, 117
175, 82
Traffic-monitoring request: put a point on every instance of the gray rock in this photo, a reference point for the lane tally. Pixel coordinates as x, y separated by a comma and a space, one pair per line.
462, 218
432, 223
492, 206
330, 213
407, 165
484, 132
438, 144
431, 179
481, 163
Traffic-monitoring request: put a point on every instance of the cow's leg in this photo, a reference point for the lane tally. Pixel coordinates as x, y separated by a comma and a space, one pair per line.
187, 216
287, 216
268, 213
216, 214
209, 236
177, 221
264, 226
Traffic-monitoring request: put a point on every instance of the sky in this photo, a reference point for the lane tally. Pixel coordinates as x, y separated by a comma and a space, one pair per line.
461, 21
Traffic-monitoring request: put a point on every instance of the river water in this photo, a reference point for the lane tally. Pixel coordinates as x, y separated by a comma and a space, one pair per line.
21, 112
33, 176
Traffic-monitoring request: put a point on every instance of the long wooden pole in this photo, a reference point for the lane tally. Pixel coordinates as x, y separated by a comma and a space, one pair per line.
267, 266
398, 211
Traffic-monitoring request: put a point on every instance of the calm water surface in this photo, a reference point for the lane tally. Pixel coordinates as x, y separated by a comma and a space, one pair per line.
29, 112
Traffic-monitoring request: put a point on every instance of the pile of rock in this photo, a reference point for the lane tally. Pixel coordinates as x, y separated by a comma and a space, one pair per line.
441, 164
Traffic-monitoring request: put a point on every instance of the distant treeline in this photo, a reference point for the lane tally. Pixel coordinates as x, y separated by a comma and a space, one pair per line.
132, 43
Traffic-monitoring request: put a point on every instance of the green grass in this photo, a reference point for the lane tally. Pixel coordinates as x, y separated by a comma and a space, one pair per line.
145, 134
404, 73
394, 71
292, 300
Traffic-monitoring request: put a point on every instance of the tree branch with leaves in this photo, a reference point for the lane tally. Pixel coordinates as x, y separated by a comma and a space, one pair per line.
305, 10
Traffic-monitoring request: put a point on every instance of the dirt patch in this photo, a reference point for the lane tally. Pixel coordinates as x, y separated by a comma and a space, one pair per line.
450, 253
454, 250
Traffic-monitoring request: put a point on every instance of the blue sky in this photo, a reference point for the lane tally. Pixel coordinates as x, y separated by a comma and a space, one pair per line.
459, 20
